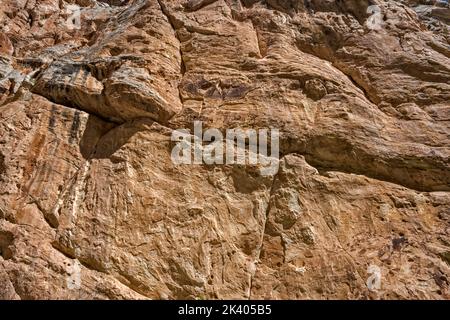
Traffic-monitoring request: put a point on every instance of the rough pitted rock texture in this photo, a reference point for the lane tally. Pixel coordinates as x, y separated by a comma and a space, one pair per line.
92, 207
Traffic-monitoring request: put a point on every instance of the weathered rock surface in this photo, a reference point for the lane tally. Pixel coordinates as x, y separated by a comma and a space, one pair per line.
91, 205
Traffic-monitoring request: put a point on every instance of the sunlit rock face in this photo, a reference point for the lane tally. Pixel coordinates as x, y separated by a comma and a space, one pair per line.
92, 205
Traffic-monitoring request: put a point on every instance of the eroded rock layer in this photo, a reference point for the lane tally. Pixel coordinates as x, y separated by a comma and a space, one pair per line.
92, 206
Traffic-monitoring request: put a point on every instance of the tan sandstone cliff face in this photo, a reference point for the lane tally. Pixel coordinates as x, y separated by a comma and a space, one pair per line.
91, 205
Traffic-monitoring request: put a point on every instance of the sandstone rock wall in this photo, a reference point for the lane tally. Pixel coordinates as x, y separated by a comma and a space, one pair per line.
91, 205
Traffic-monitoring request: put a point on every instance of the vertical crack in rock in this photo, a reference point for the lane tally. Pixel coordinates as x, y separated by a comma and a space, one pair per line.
170, 18
261, 242
262, 52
